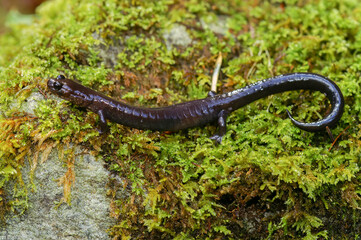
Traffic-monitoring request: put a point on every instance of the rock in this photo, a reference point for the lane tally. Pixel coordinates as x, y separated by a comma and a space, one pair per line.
31, 102
177, 35
87, 217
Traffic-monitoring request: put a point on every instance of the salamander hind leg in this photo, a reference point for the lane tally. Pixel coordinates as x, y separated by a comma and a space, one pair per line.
222, 128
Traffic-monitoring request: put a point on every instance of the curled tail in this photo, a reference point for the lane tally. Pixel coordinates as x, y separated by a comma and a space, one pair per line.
333, 93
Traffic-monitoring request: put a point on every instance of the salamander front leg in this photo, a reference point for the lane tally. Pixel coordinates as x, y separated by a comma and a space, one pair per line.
222, 128
103, 123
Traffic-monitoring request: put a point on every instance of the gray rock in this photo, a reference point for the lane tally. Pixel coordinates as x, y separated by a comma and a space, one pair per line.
177, 35
219, 26
31, 102
86, 218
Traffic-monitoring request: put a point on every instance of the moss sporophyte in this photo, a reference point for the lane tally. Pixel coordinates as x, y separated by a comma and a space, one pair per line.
267, 180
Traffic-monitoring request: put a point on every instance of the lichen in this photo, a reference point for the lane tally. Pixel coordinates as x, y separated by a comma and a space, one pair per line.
267, 180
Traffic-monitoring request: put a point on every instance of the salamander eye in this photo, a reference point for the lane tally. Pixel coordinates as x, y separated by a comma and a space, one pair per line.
60, 77
57, 86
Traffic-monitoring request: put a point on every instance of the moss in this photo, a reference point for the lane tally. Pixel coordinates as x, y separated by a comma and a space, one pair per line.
268, 179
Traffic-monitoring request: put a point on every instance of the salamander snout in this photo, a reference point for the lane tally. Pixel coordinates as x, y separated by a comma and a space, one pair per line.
54, 85
70, 90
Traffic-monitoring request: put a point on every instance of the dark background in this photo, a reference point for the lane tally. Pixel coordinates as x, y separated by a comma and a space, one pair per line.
22, 6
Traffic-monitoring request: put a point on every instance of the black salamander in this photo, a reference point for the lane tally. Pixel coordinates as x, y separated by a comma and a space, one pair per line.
213, 108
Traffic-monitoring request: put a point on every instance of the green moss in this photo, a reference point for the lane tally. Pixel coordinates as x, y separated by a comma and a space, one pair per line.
267, 179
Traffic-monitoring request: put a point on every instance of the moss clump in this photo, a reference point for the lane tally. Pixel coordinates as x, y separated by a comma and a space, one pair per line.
267, 179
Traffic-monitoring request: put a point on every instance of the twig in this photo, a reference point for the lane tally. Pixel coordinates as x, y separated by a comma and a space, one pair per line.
334, 142
217, 68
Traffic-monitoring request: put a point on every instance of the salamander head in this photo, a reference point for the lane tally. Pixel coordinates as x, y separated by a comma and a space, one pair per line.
70, 90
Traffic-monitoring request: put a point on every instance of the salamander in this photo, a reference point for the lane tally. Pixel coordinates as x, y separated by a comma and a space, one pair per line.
214, 108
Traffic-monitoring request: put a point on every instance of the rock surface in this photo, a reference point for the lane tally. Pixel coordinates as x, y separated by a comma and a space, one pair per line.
86, 218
